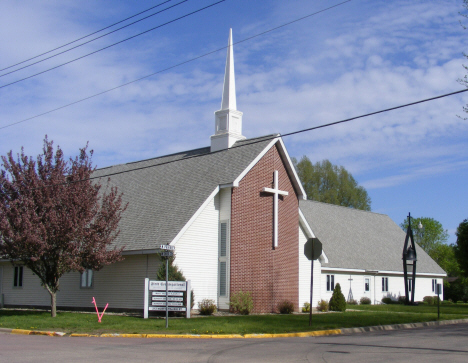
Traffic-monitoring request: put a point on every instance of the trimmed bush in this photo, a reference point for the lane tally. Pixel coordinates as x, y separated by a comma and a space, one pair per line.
401, 299
429, 300
306, 307
285, 307
322, 305
206, 307
387, 300
351, 302
365, 301
337, 301
446, 302
241, 303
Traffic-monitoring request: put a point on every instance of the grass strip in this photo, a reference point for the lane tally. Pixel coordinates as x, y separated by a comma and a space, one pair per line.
78, 323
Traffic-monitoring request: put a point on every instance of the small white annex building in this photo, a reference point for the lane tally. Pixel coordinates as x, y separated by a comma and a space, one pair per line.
238, 217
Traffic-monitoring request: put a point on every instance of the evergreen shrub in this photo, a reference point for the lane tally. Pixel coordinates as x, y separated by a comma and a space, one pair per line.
365, 301
206, 307
286, 307
174, 274
337, 301
401, 299
241, 303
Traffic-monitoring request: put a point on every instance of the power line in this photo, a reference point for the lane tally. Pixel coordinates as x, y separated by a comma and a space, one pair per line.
86, 36
109, 46
261, 139
92, 40
171, 67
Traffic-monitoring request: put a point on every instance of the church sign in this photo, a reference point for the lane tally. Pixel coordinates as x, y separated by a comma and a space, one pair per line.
174, 298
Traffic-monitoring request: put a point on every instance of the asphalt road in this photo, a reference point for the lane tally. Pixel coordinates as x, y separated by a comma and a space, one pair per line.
448, 343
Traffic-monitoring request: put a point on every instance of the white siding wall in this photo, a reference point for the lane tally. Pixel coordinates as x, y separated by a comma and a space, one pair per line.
304, 275
197, 252
120, 284
396, 286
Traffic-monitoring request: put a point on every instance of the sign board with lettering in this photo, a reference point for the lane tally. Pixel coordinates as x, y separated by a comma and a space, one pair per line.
175, 298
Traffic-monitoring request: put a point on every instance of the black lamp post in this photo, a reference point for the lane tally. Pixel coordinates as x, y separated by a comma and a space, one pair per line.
409, 263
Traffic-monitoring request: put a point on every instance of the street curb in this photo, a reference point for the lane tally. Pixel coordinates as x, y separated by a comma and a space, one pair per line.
317, 333
401, 326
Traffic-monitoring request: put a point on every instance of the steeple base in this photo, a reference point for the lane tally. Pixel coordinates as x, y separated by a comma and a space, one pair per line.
224, 141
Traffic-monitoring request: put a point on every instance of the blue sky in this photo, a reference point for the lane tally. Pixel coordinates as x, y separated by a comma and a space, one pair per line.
359, 57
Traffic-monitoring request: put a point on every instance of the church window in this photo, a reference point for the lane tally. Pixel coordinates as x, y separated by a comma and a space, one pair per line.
18, 277
410, 285
434, 285
385, 284
86, 279
366, 284
330, 282
223, 259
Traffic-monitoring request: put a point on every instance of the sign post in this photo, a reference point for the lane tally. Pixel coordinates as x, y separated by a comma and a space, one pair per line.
312, 250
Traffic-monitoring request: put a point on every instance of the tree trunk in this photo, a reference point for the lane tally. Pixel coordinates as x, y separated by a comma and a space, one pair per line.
53, 304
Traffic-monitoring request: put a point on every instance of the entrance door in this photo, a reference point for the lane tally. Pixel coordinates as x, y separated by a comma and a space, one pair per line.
223, 266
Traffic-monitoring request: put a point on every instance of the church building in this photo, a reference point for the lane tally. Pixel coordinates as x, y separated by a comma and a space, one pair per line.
238, 217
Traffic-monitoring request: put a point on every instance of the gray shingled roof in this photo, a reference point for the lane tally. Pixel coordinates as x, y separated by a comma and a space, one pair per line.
358, 239
162, 199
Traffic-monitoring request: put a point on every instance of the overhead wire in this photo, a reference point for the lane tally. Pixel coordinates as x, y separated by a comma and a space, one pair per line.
171, 67
86, 36
111, 45
92, 40
260, 139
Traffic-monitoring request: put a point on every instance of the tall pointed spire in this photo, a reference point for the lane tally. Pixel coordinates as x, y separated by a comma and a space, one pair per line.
229, 91
228, 121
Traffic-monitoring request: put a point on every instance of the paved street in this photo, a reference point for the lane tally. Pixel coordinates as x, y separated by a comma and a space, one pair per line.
447, 343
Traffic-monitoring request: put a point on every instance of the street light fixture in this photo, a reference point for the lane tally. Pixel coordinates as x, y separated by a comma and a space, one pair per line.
409, 263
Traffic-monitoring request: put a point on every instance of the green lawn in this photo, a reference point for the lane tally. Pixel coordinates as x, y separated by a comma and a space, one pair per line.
445, 309
87, 323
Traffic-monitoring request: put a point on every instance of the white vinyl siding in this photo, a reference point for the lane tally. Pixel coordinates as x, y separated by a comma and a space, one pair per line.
120, 284
197, 252
304, 274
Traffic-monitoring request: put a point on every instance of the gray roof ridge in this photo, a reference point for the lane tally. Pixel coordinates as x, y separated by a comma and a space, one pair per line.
342, 206
191, 151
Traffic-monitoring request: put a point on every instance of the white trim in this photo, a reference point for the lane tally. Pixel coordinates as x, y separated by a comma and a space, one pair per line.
195, 215
303, 223
224, 186
235, 183
323, 257
288, 165
292, 170
337, 269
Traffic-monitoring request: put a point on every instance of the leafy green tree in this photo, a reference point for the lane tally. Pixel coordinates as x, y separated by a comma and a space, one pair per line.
444, 255
328, 183
430, 237
337, 301
461, 248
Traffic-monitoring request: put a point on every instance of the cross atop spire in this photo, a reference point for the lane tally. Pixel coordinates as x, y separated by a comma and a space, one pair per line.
229, 90
228, 121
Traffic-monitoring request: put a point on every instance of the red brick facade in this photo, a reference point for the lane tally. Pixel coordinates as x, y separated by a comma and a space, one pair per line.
270, 274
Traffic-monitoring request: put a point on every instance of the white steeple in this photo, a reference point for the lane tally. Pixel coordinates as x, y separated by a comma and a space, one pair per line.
228, 121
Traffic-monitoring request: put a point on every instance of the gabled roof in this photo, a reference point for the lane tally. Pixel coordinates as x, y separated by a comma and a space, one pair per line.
356, 239
165, 192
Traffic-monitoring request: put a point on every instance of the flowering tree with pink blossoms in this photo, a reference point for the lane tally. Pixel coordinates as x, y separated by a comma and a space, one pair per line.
54, 219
